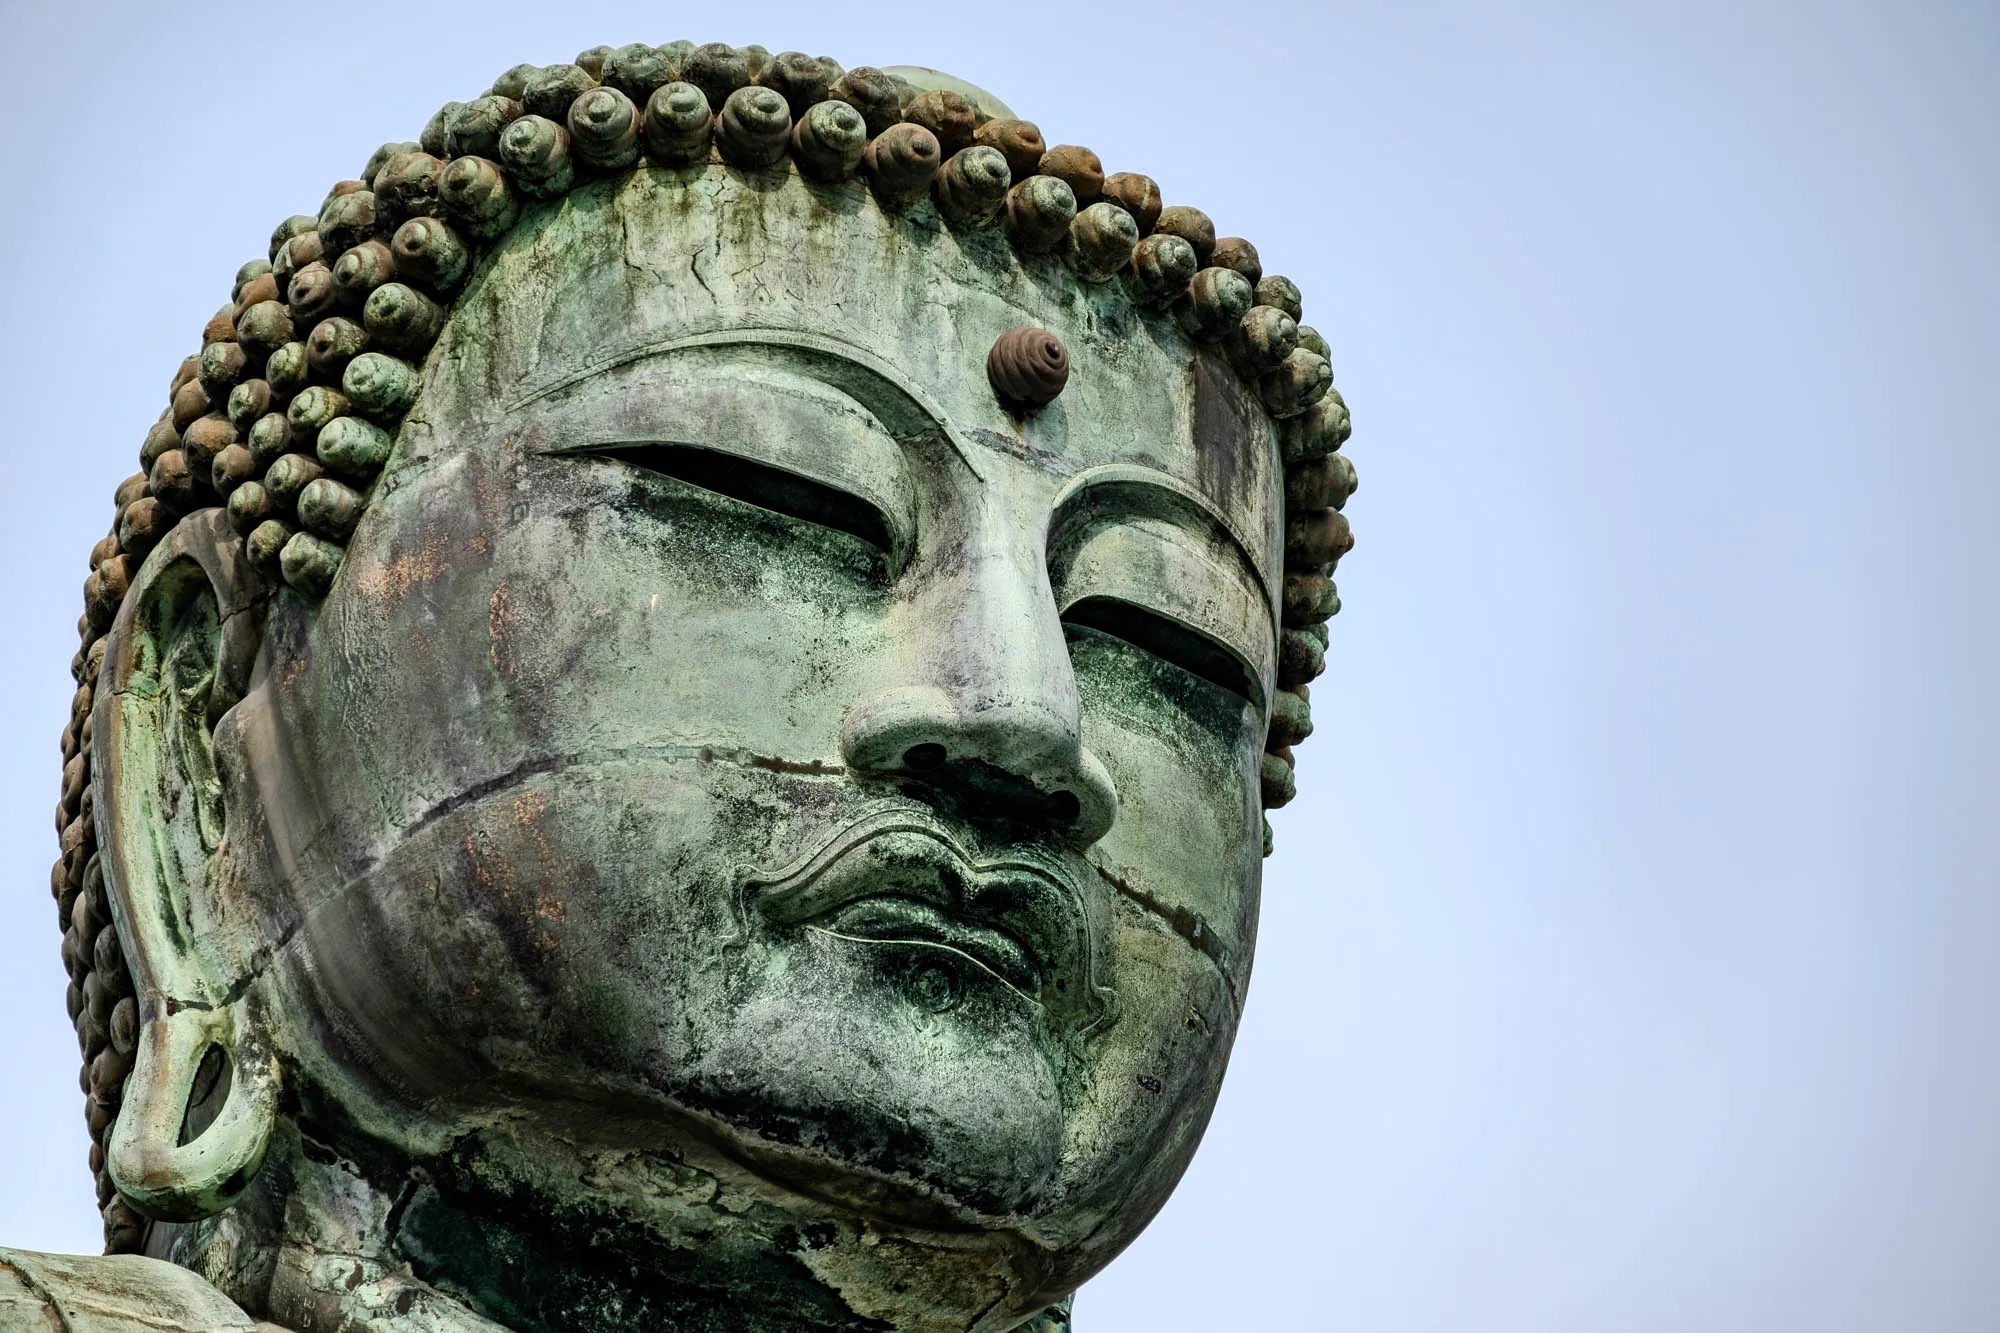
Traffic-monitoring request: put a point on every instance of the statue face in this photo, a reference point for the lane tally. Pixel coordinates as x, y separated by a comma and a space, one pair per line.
739, 748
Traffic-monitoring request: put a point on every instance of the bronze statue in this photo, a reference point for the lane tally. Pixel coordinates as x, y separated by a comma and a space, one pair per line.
673, 731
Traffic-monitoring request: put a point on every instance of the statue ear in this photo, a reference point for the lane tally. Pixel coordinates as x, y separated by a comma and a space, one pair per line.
178, 656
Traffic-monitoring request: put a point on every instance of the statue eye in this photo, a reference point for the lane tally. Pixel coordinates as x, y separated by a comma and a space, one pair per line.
759, 484
1168, 640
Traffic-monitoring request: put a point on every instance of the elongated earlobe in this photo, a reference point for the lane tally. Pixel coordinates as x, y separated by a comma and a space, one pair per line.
177, 1181
177, 658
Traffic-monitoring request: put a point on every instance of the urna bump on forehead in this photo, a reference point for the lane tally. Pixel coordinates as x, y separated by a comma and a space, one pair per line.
282, 429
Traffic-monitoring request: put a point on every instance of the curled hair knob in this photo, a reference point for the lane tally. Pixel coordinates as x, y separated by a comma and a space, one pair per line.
271, 436
945, 114
429, 253
718, 69
550, 93
1218, 299
287, 369
1282, 293
302, 249
1191, 225
402, 319
1039, 211
1299, 381
329, 508
253, 283
312, 294
159, 439
264, 328
474, 192
1319, 430
973, 185
1237, 253
675, 129
436, 137
535, 152
872, 93
407, 187
828, 140
1019, 141
1077, 167
203, 440
604, 129
354, 447
636, 70
379, 385
1137, 195
475, 130
800, 79
190, 401
381, 156
360, 271
248, 401
332, 344
1264, 338
289, 475
1161, 266
290, 227
1100, 241
901, 162
347, 220
222, 365
249, 505
512, 83
755, 127
232, 467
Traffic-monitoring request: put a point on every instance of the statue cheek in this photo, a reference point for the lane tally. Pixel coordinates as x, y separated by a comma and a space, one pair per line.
552, 929
1143, 1095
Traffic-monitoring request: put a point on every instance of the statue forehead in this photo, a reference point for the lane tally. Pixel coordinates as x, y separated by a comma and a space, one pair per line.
667, 260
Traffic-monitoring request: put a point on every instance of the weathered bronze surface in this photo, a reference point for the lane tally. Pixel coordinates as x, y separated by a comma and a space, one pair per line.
672, 732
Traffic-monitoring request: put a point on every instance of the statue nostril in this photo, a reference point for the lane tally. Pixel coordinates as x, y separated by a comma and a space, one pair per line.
924, 757
1063, 807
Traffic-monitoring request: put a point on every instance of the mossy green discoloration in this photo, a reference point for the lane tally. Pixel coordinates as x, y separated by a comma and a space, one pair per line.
760, 833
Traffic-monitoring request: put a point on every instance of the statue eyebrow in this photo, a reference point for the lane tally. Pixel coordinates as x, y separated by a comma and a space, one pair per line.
1116, 479
902, 406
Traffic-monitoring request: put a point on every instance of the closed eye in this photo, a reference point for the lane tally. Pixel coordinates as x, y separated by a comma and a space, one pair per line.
758, 484
1190, 650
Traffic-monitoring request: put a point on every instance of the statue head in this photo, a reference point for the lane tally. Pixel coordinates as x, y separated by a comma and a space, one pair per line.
682, 706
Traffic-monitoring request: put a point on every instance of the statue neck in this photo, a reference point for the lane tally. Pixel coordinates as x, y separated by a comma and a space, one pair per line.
318, 1245
311, 1246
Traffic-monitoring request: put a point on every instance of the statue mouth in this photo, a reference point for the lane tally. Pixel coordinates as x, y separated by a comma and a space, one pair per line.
895, 919
897, 877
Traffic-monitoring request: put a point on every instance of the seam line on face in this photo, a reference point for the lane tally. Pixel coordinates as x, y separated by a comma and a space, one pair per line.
1188, 925
520, 773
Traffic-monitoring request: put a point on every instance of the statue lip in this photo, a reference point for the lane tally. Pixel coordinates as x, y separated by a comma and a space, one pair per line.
897, 919
896, 875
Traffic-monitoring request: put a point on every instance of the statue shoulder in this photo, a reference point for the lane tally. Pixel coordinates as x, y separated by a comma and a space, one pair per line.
121, 1293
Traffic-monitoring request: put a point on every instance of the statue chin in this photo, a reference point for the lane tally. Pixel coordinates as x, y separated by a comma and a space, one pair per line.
677, 728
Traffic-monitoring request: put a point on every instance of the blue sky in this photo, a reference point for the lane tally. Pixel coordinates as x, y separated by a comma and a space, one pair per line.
1628, 960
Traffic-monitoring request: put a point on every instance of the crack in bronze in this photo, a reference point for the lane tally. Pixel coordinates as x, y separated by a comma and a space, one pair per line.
1192, 929
705, 754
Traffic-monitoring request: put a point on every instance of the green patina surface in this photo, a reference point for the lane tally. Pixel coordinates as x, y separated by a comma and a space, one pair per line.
759, 832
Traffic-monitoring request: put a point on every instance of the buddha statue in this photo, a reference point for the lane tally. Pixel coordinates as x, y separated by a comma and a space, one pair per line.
673, 732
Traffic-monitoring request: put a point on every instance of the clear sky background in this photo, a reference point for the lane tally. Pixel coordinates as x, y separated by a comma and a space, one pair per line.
1629, 961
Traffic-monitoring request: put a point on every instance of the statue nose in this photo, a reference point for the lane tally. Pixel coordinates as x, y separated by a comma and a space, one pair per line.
987, 711
1005, 757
